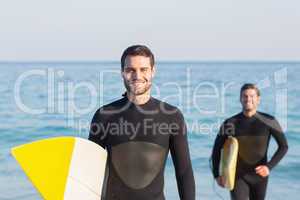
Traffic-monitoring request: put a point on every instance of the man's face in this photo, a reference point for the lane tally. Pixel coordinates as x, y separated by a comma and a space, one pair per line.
249, 100
137, 74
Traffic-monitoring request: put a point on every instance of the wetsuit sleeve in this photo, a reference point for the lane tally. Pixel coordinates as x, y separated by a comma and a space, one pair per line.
216, 152
281, 141
97, 133
181, 158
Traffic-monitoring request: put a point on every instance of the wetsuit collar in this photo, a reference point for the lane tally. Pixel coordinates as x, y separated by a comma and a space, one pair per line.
140, 105
249, 118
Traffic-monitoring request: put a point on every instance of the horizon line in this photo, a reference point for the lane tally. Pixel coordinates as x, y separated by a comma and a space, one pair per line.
157, 61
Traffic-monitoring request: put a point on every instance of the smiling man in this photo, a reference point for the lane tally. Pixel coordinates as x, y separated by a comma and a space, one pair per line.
138, 132
252, 130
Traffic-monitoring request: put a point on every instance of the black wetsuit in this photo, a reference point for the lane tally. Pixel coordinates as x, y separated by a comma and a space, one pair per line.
253, 134
138, 139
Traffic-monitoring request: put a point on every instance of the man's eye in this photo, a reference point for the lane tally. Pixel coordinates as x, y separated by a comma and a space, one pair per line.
144, 69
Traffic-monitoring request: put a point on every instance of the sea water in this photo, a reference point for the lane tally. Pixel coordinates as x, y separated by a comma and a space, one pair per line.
41, 100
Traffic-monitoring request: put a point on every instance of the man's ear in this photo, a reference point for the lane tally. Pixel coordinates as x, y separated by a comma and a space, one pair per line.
153, 71
122, 73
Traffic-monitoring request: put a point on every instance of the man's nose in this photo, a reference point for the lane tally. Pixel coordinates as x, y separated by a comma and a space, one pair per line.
137, 75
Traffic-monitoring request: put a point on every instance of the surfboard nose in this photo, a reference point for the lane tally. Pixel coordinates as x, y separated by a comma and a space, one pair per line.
63, 167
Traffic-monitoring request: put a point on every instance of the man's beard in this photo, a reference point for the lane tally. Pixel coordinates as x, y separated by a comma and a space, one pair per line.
247, 109
139, 91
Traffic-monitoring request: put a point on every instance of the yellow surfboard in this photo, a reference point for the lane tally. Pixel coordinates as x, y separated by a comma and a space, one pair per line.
64, 168
228, 161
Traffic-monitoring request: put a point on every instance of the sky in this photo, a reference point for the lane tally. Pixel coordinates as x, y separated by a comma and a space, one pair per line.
200, 30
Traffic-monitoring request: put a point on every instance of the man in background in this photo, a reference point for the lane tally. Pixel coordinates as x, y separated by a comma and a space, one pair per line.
253, 131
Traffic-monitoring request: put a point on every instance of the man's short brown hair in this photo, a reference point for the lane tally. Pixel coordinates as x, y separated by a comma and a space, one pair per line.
249, 86
137, 50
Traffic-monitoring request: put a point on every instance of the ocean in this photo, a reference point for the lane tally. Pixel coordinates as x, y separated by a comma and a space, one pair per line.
41, 100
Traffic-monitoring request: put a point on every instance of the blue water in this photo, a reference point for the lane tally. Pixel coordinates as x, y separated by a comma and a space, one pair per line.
205, 92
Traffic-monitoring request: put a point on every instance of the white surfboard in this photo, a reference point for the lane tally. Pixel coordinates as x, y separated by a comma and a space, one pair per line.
64, 168
228, 161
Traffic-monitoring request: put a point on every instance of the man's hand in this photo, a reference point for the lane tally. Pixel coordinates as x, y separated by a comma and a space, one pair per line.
262, 170
220, 180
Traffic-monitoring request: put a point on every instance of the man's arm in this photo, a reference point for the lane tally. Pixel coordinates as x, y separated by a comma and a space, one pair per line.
216, 152
182, 162
96, 133
280, 138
